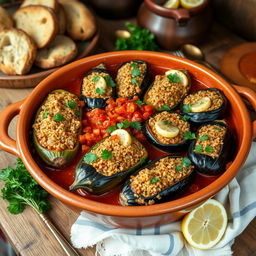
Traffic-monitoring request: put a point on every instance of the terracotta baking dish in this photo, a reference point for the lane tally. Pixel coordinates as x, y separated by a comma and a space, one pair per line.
137, 216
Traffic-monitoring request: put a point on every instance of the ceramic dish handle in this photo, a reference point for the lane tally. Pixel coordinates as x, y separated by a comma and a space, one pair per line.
6, 116
249, 95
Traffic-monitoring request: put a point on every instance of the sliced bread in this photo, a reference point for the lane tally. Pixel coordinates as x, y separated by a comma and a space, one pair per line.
39, 22
80, 22
60, 51
17, 52
5, 19
48, 3
62, 20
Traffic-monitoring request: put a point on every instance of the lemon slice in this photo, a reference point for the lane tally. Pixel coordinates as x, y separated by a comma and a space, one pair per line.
101, 83
172, 4
191, 3
182, 77
124, 136
204, 226
201, 105
166, 130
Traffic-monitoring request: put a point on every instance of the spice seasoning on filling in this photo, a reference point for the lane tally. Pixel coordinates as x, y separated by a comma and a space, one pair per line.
210, 140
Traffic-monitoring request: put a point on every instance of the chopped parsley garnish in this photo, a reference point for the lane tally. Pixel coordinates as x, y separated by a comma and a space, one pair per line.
124, 124
45, 114
167, 122
134, 81
105, 154
186, 162
96, 79
90, 157
198, 148
58, 117
187, 108
185, 118
154, 180
142, 160
77, 113
100, 91
174, 78
179, 168
134, 65
136, 125
110, 82
111, 128
95, 146
165, 107
135, 72
204, 137
209, 149
71, 104
139, 102
189, 136
217, 128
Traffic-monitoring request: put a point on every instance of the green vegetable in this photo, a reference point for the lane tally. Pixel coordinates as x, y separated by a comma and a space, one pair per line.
100, 91
174, 78
134, 65
136, 125
204, 137
179, 168
20, 189
110, 82
71, 104
186, 108
154, 180
139, 102
198, 148
78, 113
209, 149
167, 122
142, 160
96, 79
58, 117
90, 157
45, 114
189, 136
186, 162
105, 154
165, 107
111, 128
135, 72
124, 124
140, 39
185, 118
217, 128
134, 81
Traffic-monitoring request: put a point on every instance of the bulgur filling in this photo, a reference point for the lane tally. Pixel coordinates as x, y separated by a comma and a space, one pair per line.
129, 78
113, 157
172, 119
58, 123
163, 174
209, 140
89, 86
216, 99
165, 93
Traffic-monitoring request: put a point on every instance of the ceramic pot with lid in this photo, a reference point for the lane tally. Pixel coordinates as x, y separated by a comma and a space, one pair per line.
175, 27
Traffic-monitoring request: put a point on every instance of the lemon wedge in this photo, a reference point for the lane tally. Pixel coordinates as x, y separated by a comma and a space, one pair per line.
204, 226
201, 105
174, 4
191, 3
179, 76
101, 83
166, 130
124, 136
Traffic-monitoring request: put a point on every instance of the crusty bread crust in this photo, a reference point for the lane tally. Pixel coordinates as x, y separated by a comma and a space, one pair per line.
39, 22
48, 3
81, 23
17, 52
62, 20
60, 51
5, 19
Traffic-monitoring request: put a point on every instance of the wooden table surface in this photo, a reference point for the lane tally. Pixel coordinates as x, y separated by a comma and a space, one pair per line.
26, 231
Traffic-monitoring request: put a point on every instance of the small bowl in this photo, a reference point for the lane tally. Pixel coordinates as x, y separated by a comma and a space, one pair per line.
129, 216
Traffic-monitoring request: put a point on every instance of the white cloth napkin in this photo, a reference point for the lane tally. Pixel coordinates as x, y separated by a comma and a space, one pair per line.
239, 200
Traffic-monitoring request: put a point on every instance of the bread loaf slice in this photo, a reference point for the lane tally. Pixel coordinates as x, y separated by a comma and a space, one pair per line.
62, 20
60, 51
48, 3
5, 19
39, 22
80, 22
17, 52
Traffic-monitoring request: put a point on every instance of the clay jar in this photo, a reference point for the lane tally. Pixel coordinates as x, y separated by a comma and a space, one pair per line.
175, 27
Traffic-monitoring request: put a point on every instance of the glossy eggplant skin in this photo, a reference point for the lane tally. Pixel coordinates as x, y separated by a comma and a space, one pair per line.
128, 197
92, 103
208, 116
58, 159
206, 164
169, 148
87, 178
145, 82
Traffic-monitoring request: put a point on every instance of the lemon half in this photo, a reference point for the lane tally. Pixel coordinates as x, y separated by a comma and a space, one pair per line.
183, 77
190, 3
101, 83
174, 4
124, 136
166, 130
201, 105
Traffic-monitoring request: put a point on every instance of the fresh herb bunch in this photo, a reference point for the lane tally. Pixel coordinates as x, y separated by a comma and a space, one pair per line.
20, 189
140, 39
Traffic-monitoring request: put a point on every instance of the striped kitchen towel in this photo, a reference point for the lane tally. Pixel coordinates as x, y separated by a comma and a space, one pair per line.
238, 197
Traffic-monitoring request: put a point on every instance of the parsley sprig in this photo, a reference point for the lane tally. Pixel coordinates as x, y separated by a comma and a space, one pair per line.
20, 189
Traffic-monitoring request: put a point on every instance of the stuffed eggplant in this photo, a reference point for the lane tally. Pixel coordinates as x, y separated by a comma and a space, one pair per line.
57, 127
97, 87
109, 162
157, 182
132, 79
204, 105
168, 131
168, 89
210, 150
